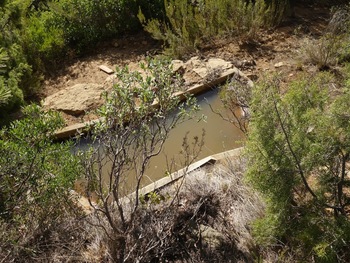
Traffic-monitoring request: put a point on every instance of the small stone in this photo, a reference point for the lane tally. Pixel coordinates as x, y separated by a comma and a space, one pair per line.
279, 64
217, 63
248, 63
178, 66
194, 62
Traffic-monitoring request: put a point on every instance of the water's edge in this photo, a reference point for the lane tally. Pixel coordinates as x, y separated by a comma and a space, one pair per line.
72, 130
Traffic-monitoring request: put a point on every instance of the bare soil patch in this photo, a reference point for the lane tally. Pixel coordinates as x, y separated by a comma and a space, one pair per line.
119, 52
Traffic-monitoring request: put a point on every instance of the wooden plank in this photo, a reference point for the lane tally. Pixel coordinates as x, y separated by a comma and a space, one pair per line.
106, 69
167, 180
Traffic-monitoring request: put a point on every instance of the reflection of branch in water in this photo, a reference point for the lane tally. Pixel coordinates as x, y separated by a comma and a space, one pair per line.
235, 96
238, 120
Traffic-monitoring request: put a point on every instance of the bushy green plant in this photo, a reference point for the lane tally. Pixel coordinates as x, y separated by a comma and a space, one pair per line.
81, 24
323, 52
36, 176
14, 72
16, 77
298, 145
193, 25
86, 22
43, 39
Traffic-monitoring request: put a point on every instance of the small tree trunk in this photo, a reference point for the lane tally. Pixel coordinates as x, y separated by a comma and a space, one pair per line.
117, 249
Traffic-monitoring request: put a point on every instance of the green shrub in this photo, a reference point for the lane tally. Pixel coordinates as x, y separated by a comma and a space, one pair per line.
56, 26
14, 70
324, 52
86, 22
16, 79
35, 178
81, 24
191, 26
43, 38
298, 153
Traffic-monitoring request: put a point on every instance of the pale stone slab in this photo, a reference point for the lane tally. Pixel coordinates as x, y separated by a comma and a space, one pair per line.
77, 99
106, 69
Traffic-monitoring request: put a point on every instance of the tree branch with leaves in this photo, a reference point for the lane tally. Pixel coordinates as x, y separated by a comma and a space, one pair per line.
137, 118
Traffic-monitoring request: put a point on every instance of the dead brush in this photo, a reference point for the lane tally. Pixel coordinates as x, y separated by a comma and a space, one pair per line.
323, 53
62, 239
206, 220
238, 204
333, 47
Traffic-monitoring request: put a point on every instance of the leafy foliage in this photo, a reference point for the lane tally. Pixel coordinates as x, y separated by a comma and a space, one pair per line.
81, 24
43, 39
299, 152
14, 68
86, 22
35, 177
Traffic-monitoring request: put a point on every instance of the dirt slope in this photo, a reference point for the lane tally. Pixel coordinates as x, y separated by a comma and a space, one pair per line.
276, 50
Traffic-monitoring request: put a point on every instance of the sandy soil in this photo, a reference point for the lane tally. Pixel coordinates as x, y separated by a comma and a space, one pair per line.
119, 52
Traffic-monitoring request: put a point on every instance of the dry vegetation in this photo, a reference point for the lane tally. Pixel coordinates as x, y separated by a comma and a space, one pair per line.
208, 219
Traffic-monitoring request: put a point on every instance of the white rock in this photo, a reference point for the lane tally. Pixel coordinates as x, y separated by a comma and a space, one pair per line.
177, 65
279, 64
218, 63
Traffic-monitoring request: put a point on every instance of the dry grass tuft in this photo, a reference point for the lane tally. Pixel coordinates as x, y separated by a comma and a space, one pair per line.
334, 46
